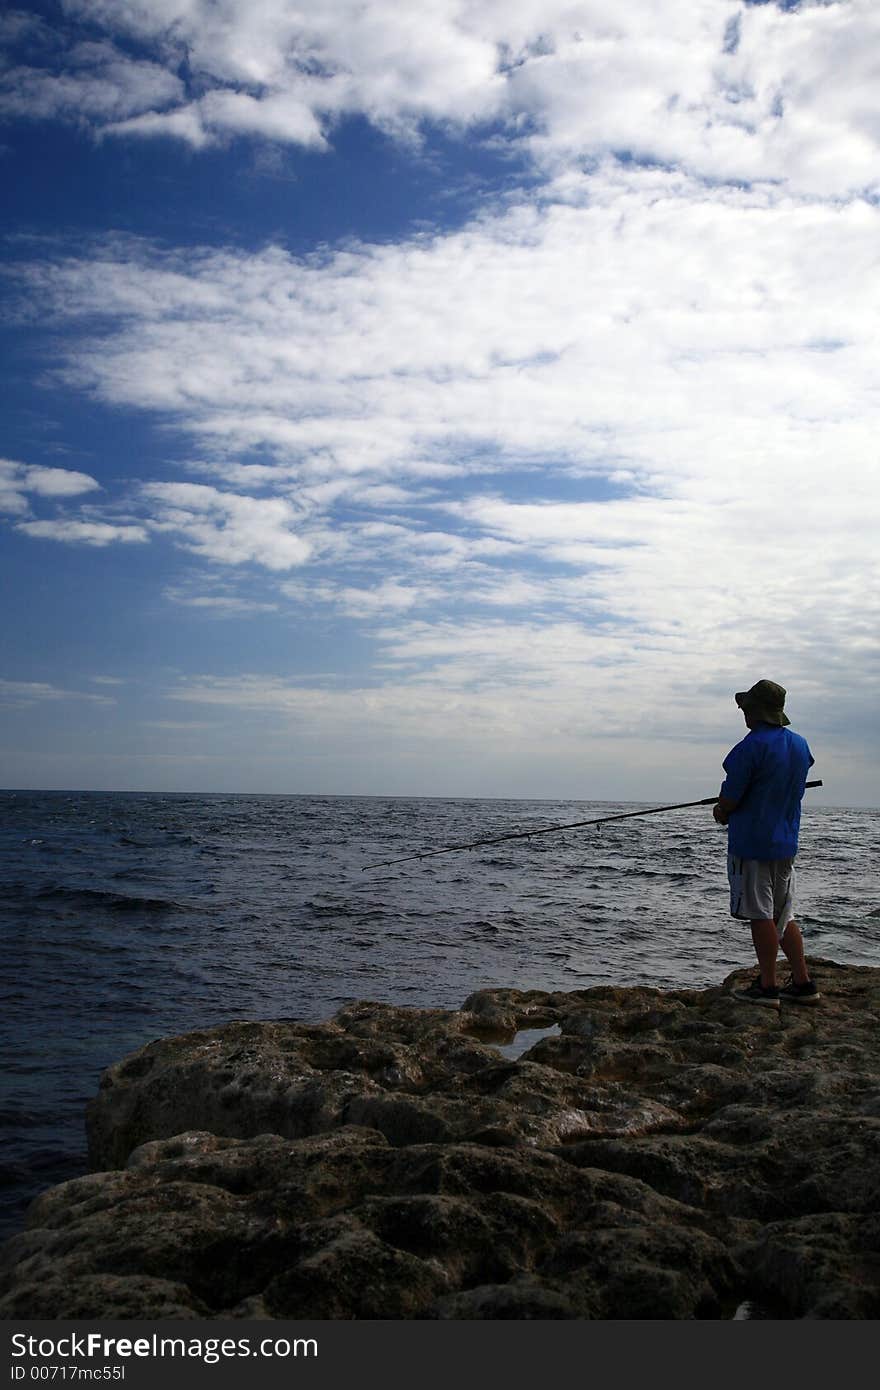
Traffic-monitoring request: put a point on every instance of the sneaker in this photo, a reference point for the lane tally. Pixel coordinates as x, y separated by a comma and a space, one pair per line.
757, 994
800, 994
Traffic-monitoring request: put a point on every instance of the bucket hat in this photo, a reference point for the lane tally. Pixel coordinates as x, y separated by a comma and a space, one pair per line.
764, 702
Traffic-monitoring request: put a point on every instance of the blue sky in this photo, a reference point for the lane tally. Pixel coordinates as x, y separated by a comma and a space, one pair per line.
456, 399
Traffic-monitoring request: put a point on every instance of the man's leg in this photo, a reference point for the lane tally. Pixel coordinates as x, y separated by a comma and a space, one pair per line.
793, 946
766, 943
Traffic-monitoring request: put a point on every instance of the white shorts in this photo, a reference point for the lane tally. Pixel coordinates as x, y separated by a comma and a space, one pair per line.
762, 890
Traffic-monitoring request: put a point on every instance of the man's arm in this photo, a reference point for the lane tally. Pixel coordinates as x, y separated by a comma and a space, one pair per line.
722, 809
738, 765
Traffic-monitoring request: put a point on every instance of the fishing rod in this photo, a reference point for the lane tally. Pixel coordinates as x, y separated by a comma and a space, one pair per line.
549, 830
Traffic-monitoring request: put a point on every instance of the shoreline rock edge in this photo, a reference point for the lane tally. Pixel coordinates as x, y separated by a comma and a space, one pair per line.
661, 1154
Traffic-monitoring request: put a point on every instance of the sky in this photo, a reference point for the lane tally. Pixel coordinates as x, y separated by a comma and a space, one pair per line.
456, 399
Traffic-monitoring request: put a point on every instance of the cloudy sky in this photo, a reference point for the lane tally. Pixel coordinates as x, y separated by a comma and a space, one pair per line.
457, 398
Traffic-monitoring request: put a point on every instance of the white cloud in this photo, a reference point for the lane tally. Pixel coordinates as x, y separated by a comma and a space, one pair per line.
406, 711
185, 124
184, 726
724, 89
19, 482
228, 528
22, 694
26, 692
99, 84
708, 354
98, 533
276, 117
532, 335
218, 605
278, 68
504, 709
19, 479
388, 596
57, 482
19, 25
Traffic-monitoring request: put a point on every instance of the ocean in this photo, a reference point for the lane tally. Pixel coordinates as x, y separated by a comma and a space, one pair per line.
127, 917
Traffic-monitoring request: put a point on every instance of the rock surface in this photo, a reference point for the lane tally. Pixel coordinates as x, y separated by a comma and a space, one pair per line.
661, 1154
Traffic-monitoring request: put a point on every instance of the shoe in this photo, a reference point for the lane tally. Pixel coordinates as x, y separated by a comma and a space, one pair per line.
800, 994
757, 994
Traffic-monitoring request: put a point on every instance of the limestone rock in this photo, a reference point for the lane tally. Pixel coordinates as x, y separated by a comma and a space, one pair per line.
663, 1154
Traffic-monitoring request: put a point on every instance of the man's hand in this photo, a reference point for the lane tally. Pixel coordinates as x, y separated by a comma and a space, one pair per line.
722, 809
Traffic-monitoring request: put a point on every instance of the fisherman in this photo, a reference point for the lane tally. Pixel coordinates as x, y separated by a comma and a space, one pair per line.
760, 803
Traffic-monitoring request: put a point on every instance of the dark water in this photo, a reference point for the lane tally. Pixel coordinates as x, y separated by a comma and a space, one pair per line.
126, 917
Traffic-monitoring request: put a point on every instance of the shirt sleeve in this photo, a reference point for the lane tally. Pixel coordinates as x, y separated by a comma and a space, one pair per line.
738, 765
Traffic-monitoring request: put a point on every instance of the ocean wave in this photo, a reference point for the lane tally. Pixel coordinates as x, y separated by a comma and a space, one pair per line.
112, 902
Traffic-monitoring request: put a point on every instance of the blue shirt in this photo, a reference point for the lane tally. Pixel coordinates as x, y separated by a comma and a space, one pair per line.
766, 775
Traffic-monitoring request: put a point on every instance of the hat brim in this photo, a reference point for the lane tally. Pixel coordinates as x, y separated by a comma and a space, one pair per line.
761, 712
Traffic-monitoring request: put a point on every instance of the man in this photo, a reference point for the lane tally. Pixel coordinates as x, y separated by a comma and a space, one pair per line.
760, 803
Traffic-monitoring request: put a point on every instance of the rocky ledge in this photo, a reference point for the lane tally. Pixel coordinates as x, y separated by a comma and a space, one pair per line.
658, 1154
